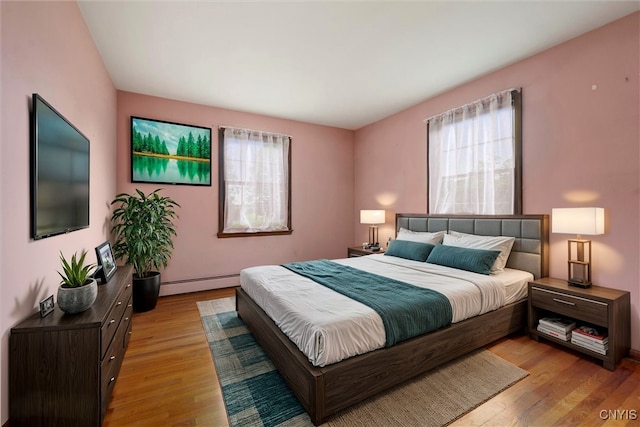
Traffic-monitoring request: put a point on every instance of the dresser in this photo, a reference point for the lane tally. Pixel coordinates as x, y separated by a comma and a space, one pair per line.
63, 367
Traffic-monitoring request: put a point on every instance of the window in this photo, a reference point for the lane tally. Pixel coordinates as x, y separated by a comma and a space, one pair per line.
255, 183
475, 157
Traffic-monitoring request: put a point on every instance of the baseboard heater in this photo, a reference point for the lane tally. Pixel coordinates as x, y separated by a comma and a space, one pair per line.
202, 279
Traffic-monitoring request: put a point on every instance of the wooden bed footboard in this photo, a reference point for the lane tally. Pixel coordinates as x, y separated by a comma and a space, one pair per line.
305, 380
327, 390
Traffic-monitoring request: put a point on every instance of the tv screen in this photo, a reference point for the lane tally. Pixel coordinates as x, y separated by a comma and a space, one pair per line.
59, 173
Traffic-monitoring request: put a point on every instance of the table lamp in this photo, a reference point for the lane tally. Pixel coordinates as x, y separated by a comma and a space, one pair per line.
372, 217
579, 221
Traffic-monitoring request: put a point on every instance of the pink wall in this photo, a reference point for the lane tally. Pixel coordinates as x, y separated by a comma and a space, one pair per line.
47, 48
581, 147
322, 196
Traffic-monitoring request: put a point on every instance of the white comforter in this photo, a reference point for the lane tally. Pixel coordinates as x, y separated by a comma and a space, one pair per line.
328, 326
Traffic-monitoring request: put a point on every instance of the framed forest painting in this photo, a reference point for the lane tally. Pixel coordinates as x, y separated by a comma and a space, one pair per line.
170, 153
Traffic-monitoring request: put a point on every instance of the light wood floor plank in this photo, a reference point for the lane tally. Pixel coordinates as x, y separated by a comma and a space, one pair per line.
168, 378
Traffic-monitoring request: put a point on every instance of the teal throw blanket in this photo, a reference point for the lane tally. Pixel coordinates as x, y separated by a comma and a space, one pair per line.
406, 310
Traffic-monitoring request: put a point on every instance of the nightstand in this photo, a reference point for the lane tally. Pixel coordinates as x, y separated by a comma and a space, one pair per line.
605, 308
356, 251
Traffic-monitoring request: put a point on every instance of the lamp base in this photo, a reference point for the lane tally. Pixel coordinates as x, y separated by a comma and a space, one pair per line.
579, 264
373, 236
579, 283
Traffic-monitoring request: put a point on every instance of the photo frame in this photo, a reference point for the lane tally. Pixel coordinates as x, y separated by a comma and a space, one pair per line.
106, 262
170, 153
46, 306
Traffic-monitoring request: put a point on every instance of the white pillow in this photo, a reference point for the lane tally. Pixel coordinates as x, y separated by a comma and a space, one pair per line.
498, 243
420, 236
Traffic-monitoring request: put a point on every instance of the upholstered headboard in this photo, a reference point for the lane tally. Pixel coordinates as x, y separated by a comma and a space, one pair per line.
530, 250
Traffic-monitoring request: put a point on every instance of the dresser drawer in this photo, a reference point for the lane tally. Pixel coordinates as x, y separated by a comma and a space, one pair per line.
586, 309
110, 326
111, 363
127, 322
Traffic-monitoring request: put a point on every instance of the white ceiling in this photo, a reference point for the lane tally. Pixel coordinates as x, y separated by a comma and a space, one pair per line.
343, 64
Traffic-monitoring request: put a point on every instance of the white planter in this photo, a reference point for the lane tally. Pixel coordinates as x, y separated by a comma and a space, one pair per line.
77, 300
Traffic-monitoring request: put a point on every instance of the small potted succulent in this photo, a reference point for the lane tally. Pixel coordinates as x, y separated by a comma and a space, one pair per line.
78, 289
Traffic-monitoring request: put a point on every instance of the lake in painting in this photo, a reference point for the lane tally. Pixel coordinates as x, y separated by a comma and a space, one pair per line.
168, 170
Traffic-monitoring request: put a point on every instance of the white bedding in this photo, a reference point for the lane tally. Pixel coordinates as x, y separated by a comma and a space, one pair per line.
328, 326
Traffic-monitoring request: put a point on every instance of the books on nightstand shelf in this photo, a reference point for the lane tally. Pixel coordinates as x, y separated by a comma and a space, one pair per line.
591, 339
557, 327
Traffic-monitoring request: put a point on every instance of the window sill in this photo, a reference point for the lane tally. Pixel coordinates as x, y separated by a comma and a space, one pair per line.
255, 234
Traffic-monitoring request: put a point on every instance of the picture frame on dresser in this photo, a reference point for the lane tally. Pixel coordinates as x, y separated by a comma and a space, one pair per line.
106, 261
46, 306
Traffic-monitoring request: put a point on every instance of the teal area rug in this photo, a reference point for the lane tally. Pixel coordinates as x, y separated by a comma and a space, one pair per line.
256, 395
253, 391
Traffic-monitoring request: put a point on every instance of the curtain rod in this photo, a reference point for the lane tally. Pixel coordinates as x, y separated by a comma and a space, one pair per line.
516, 89
253, 130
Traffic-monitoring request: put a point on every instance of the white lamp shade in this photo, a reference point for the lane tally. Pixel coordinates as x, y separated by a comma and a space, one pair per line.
372, 217
589, 221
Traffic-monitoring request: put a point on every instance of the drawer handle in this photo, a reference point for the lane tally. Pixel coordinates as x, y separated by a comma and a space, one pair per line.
126, 319
128, 285
112, 321
119, 303
112, 358
564, 302
129, 305
112, 379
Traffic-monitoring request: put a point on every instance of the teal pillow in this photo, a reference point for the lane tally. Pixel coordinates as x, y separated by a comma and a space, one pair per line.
476, 260
409, 250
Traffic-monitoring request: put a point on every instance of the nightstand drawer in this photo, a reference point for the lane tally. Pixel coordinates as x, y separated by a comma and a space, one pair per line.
588, 310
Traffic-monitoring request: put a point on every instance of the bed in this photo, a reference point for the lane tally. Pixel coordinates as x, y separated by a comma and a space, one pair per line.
325, 390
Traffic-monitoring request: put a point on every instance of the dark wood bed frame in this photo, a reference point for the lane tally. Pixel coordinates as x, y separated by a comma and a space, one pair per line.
323, 391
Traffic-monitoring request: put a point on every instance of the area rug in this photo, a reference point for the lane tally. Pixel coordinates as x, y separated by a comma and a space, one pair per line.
256, 395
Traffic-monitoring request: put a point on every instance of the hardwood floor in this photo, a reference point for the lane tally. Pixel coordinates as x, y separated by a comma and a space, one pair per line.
168, 379
167, 376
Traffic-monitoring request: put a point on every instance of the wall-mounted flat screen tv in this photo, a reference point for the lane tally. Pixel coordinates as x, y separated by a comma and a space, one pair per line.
59, 173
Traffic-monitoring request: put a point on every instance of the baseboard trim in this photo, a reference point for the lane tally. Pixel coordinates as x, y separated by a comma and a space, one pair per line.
634, 354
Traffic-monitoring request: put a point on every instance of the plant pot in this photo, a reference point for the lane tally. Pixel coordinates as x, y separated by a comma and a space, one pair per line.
146, 291
77, 300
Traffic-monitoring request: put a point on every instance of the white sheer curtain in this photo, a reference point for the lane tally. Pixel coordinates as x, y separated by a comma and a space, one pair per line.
256, 180
472, 158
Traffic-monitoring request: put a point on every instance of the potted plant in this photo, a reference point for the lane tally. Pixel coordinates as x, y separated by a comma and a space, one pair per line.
143, 230
78, 289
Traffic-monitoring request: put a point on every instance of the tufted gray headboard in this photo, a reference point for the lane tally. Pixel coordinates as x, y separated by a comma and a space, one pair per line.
530, 250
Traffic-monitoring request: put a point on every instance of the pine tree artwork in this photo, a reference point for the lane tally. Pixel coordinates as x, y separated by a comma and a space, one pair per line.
173, 153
